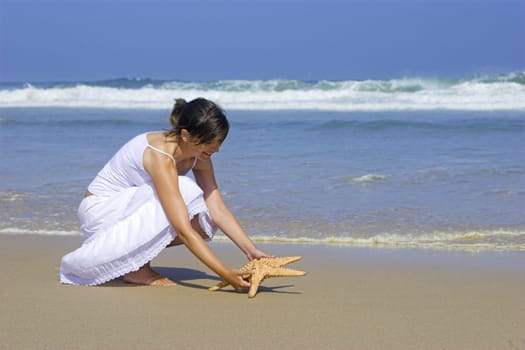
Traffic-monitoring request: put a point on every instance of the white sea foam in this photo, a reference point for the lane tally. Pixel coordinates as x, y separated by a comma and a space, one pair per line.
368, 178
491, 93
12, 196
474, 241
20, 231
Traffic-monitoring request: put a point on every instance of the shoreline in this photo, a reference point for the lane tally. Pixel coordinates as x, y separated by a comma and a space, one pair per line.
352, 298
464, 241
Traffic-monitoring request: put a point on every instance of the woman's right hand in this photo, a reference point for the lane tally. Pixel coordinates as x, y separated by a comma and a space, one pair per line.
236, 280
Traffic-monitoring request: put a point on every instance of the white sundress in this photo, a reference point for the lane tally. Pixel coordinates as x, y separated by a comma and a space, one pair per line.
123, 222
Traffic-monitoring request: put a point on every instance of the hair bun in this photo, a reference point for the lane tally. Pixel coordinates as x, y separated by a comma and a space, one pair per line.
177, 109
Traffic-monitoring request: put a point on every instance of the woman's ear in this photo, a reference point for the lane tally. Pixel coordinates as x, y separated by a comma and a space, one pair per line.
185, 135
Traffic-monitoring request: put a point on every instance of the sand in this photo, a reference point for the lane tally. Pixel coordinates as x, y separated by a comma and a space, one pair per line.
352, 298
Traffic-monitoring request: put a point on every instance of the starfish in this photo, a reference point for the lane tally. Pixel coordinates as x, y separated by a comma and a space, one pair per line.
263, 268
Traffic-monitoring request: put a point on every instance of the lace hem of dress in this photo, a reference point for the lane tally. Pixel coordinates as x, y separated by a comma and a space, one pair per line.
137, 257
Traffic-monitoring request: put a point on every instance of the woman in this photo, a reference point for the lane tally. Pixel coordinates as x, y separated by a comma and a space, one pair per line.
141, 202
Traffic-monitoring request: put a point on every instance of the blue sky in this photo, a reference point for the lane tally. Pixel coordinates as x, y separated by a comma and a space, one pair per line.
71, 40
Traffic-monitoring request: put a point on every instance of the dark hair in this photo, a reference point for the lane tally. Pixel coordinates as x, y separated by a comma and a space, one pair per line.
203, 119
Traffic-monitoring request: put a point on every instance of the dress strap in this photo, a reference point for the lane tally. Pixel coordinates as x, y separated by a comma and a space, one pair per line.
161, 151
194, 162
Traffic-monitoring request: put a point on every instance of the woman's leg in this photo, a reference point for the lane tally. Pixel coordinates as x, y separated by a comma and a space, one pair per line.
147, 276
196, 226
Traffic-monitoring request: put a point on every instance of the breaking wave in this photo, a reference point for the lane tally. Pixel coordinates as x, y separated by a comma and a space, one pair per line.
483, 93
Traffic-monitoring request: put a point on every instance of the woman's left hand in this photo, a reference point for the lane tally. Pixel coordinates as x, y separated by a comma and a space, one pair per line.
257, 254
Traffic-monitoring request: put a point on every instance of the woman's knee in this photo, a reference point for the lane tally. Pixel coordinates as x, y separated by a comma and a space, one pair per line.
197, 226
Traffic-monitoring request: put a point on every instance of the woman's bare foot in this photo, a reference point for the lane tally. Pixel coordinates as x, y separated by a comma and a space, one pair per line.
146, 276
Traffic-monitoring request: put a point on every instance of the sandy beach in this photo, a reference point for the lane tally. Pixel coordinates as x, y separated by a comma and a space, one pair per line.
352, 298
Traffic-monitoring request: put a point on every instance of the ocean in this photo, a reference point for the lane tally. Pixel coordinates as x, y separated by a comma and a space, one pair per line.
406, 163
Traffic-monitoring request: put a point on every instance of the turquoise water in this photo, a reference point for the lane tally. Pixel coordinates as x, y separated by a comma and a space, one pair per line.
427, 178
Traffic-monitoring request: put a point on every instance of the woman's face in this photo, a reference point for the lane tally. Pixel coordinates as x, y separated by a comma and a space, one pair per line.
206, 150
202, 151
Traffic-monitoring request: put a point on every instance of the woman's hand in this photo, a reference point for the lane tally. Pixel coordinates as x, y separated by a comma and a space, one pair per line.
236, 280
257, 254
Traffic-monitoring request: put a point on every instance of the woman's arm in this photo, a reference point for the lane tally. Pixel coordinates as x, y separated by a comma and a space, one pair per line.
220, 213
165, 179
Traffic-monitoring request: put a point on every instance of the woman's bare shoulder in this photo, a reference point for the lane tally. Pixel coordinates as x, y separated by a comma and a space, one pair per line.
156, 139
